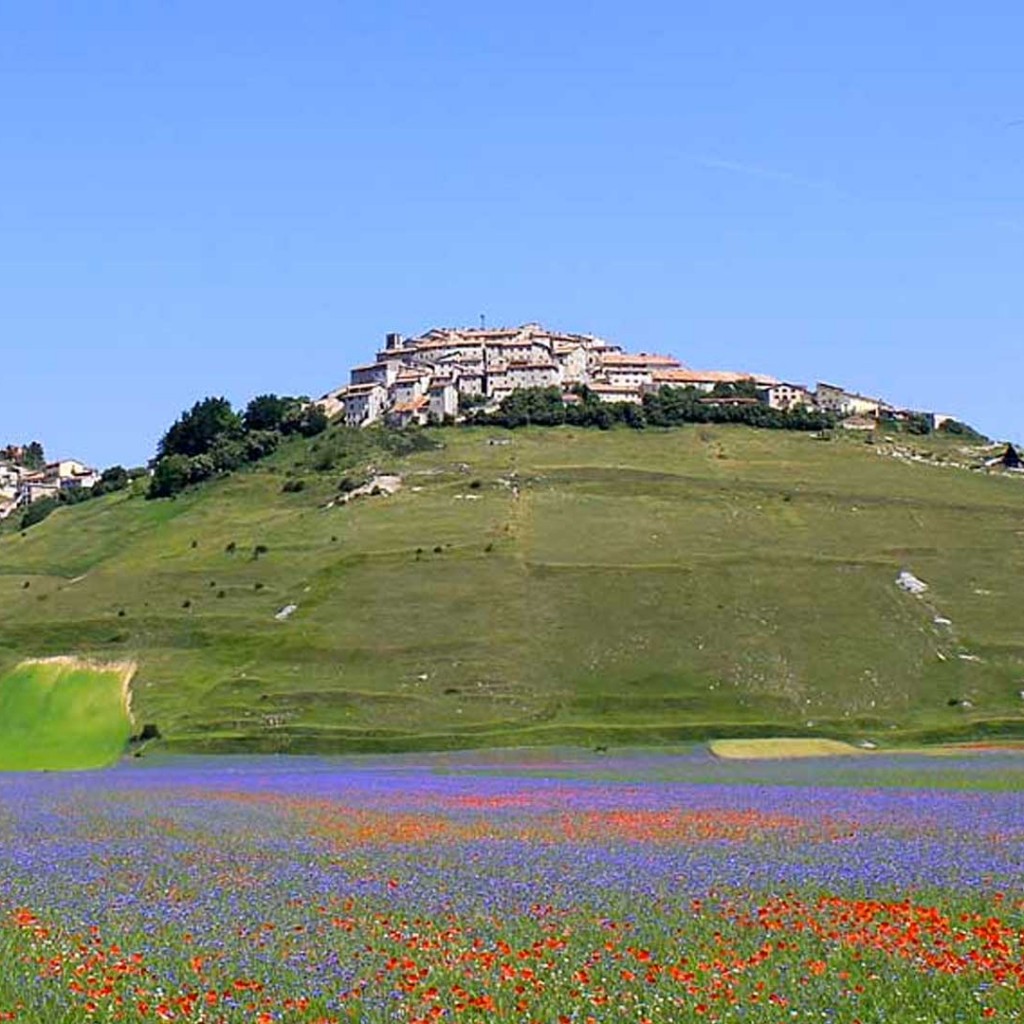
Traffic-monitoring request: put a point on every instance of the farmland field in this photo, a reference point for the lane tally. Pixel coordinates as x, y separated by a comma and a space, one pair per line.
63, 714
547, 886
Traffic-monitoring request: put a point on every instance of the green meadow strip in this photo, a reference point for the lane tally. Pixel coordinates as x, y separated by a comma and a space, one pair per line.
64, 713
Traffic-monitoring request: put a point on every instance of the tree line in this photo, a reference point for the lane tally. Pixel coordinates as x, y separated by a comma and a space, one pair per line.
666, 407
211, 438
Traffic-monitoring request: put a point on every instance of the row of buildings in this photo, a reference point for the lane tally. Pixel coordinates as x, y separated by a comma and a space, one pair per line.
20, 486
432, 377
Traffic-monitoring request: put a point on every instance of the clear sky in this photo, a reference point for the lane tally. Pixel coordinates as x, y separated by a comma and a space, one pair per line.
230, 198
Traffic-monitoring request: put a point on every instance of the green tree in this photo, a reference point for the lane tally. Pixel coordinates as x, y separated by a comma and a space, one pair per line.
543, 406
266, 412
919, 423
196, 431
746, 388
258, 443
173, 473
305, 419
633, 416
33, 456
468, 402
114, 478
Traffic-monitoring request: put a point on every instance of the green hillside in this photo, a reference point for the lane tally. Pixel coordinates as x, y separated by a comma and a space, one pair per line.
565, 585
63, 714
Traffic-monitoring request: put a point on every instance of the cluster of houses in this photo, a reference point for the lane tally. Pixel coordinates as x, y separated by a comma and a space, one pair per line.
433, 377
20, 486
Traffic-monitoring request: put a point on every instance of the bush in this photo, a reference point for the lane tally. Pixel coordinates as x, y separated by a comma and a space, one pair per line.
74, 495
38, 511
407, 441
956, 428
258, 443
293, 486
470, 402
307, 420
172, 474
115, 478
324, 460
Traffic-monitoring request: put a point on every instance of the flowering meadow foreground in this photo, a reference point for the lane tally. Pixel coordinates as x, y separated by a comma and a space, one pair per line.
542, 888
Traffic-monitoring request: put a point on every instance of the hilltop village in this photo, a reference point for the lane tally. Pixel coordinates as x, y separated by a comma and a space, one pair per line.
452, 375
438, 376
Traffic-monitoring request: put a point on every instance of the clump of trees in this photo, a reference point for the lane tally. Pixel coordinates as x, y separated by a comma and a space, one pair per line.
664, 408
672, 406
920, 424
957, 428
468, 402
28, 456
211, 438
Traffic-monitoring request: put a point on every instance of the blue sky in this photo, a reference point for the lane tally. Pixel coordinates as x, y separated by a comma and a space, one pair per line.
232, 198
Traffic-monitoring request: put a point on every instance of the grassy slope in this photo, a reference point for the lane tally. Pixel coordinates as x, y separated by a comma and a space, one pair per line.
643, 585
60, 716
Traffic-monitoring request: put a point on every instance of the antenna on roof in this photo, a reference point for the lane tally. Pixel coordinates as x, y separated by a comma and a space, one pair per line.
483, 321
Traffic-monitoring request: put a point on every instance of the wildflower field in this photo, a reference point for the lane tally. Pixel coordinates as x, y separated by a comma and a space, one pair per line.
537, 888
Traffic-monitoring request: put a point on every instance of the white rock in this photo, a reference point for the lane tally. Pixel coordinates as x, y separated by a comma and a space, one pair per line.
910, 583
286, 612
